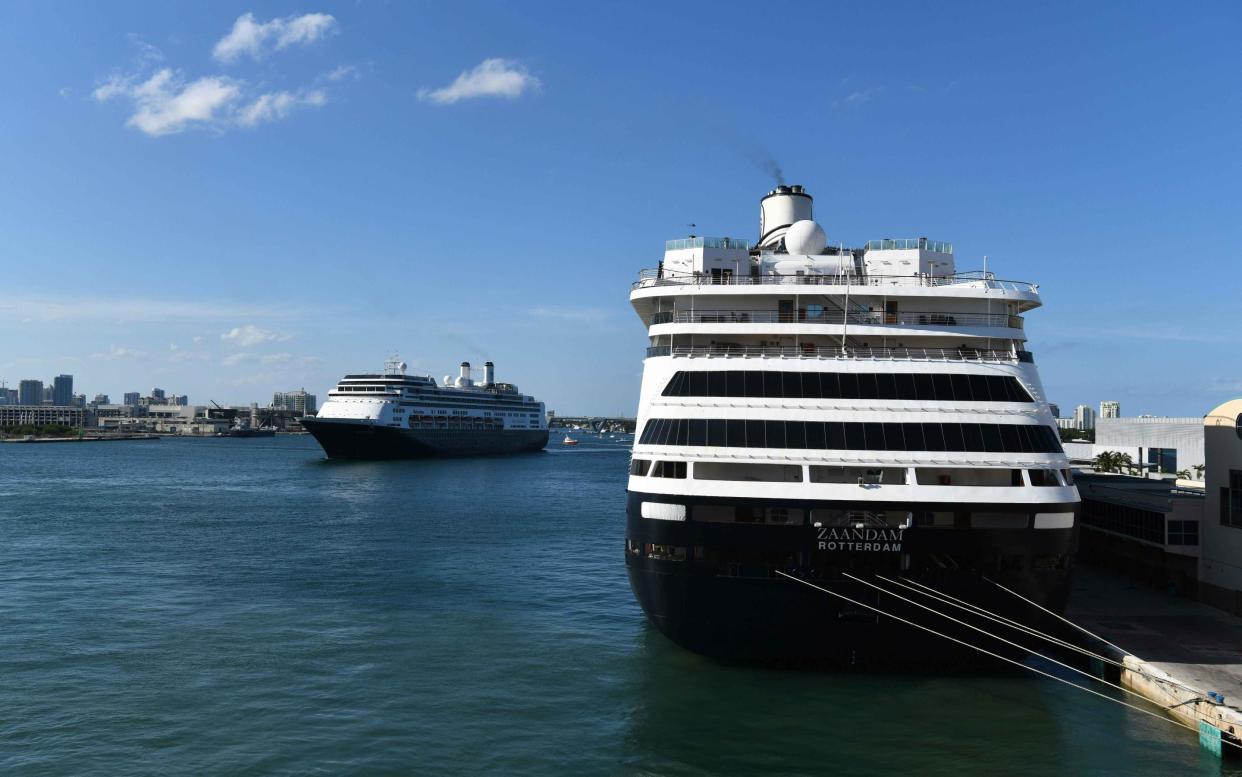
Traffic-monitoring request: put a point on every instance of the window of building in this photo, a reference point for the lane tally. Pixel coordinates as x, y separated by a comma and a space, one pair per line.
837, 435
968, 476
1231, 500
1162, 459
766, 384
1043, 477
859, 475
1183, 532
669, 469
770, 473
778, 516
1134, 522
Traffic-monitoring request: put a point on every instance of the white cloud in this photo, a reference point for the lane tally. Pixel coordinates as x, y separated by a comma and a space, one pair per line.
570, 314
234, 359
490, 78
116, 352
252, 38
93, 310
277, 105
341, 73
250, 335
65, 91
164, 103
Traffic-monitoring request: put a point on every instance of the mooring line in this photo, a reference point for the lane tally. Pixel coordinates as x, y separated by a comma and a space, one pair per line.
998, 638
1058, 617
985, 651
976, 609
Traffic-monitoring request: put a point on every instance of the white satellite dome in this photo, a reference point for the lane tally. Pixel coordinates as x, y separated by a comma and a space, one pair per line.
805, 238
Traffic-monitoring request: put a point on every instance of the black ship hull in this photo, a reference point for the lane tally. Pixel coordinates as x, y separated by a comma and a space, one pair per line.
715, 589
354, 440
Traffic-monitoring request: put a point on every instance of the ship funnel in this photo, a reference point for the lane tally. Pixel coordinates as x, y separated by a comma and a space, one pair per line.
780, 208
464, 378
489, 373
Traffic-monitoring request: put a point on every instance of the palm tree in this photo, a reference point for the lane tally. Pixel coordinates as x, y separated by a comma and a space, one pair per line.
1112, 461
1199, 468
1183, 474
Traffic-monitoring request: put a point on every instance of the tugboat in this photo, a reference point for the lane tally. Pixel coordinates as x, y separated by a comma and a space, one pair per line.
391, 415
844, 417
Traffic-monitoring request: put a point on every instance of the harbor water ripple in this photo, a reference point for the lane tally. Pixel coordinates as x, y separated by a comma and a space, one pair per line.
247, 607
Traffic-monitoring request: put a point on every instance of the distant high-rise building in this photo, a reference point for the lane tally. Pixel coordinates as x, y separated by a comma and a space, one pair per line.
8, 396
1084, 418
62, 390
101, 399
158, 393
79, 400
48, 394
179, 399
1110, 408
30, 392
132, 397
1056, 411
297, 401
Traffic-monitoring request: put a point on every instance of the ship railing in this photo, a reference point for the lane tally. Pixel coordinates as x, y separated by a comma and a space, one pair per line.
816, 351
811, 315
653, 277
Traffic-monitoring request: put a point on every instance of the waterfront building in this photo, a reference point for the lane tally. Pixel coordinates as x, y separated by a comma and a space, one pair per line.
132, 398
1220, 560
1148, 530
1181, 534
1066, 423
62, 390
1084, 418
1161, 445
1056, 411
298, 401
30, 392
40, 415
1110, 409
157, 394
48, 394
101, 399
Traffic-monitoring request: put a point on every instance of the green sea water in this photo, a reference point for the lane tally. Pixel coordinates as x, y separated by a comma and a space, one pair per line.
246, 607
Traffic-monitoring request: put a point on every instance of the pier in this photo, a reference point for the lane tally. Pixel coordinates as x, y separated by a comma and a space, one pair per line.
1182, 655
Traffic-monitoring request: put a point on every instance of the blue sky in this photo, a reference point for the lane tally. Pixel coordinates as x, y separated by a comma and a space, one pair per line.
226, 199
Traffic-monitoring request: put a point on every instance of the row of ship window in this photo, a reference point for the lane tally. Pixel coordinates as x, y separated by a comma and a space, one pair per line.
735, 562
755, 472
851, 435
928, 387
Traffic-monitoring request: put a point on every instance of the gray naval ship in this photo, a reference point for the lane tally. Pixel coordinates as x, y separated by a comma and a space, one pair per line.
392, 415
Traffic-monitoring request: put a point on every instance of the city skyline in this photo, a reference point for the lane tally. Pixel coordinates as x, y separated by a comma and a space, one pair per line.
246, 207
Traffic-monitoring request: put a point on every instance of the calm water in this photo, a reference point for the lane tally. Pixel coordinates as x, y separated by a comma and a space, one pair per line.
245, 606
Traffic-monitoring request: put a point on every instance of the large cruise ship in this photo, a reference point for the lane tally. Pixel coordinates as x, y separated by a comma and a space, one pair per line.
392, 415
846, 417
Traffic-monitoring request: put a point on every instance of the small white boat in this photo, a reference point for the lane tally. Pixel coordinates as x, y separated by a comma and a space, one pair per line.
569, 441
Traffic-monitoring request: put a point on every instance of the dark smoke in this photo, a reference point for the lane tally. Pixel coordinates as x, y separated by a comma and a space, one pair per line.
765, 162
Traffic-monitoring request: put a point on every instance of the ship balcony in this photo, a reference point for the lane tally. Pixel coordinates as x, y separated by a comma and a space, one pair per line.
819, 315
828, 350
656, 283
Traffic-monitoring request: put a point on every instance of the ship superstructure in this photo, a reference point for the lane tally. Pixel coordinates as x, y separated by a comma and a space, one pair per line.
395, 415
831, 412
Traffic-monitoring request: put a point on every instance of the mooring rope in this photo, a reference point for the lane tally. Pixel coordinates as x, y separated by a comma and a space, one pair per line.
1055, 615
977, 610
996, 637
985, 651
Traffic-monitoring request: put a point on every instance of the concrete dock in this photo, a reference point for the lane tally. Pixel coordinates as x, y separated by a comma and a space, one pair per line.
1175, 650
